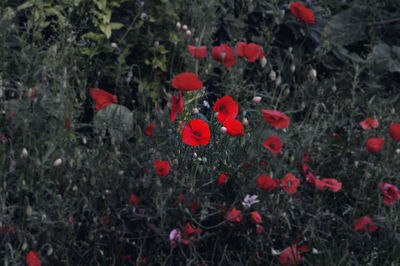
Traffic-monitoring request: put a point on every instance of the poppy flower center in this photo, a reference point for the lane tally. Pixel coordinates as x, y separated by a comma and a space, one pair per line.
197, 134
289, 183
222, 108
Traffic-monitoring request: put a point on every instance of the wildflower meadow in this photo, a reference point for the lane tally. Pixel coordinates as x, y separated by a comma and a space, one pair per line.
222, 132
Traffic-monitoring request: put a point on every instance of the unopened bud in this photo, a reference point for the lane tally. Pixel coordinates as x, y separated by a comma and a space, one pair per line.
278, 81
272, 75
24, 153
178, 25
175, 161
121, 172
290, 49
398, 151
188, 33
263, 61
195, 111
195, 155
28, 211
293, 68
216, 114
84, 140
313, 74
69, 40
256, 99
223, 130
334, 89
156, 43
114, 45
245, 122
57, 162
356, 164
393, 111
184, 27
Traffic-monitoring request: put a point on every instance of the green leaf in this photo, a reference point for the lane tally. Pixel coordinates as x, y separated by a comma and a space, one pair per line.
117, 119
106, 29
116, 25
25, 5
97, 37
385, 58
346, 27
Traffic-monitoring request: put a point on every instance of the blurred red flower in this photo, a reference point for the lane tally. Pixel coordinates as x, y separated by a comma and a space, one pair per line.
365, 224
369, 123
274, 144
197, 52
290, 256
224, 54
186, 82
149, 130
275, 118
332, 183
251, 51
195, 133
162, 167
32, 259
191, 234
233, 127
290, 183
133, 199
255, 217
177, 106
102, 98
266, 182
234, 215
193, 206
105, 220
390, 193
222, 179
394, 131
302, 13
259, 229
31, 93
227, 108
373, 145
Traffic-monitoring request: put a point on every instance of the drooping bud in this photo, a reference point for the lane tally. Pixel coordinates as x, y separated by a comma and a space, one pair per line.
272, 75
263, 61
114, 45
185, 27
256, 99
188, 33
313, 74
24, 153
293, 68
245, 122
178, 25
223, 130
57, 162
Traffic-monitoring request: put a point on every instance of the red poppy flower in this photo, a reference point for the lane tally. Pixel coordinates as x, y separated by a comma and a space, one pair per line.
222, 179
234, 215
32, 259
190, 234
105, 220
102, 98
149, 130
332, 183
302, 13
394, 131
195, 132
227, 108
197, 52
177, 106
290, 183
259, 229
365, 224
275, 118
274, 144
306, 171
234, 127
390, 192
31, 93
133, 199
162, 167
186, 82
369, 123
224, 54
266, 182
251, 51
193, 206
374, 144
255, 217
290, 256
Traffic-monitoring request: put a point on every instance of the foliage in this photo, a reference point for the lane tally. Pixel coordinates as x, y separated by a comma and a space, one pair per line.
326, 77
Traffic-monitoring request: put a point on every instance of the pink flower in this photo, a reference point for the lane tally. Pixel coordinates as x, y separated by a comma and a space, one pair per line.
174, 235
369, 123
390, 192
234, 215
290, 256
365, 224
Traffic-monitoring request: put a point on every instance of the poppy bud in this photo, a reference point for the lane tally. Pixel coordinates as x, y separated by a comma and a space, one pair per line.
334, 88
175, 161
121, 172
313, 74
114, 45
278, 81
263, 61
69, 40
178, 25
272, 75
290, 49
223, 130
188, 33
57, 162
184, 27
195, 111
245, 122
24, 153
256, 99
28, 211
84, 140
398, 151
216, 114
293, 68
75, 188
156, 43
195, 155
393, 111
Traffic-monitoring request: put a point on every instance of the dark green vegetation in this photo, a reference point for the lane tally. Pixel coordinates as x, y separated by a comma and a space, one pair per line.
78, 213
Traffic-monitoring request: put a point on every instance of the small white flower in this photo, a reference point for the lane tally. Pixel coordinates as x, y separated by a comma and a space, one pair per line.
114, 45
256, 99
315, 251
250, 200
195, 111
24, 153
206, 104
57, 162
